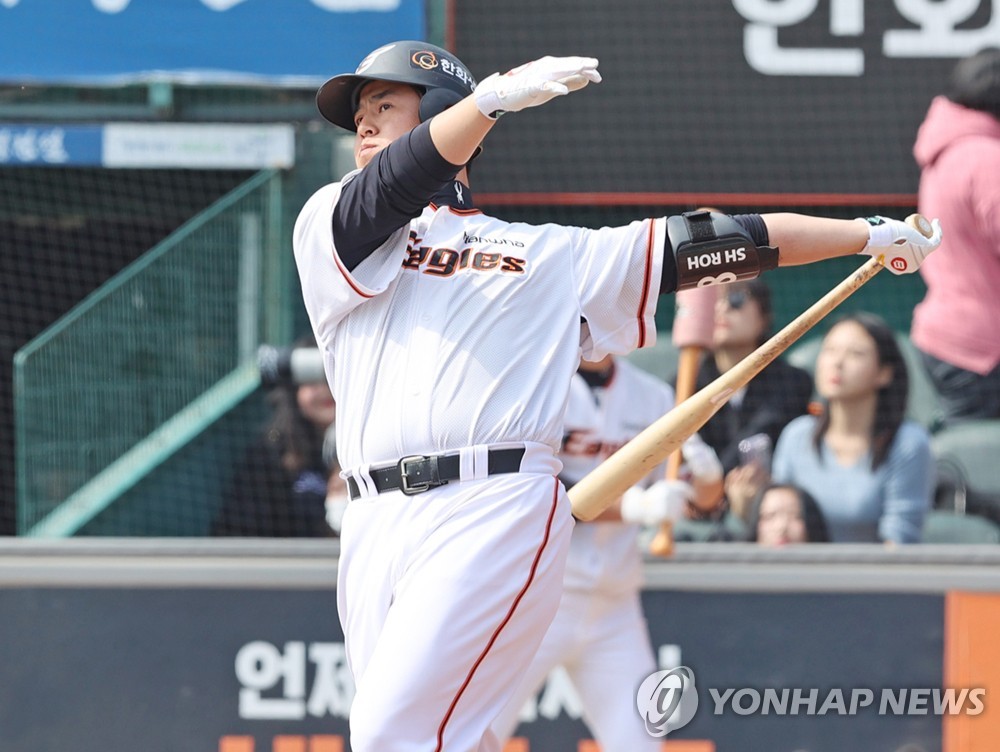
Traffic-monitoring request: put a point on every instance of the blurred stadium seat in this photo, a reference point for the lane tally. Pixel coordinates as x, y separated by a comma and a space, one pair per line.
951, 527
967, 455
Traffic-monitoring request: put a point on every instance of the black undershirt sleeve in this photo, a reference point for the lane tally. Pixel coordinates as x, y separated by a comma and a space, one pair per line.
752, 223
392, 190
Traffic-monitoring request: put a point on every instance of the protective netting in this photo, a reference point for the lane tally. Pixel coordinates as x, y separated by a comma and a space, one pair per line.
65, 232
720, 97
744, 105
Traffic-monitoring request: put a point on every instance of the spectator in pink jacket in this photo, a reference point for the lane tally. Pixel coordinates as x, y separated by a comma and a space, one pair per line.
957, 326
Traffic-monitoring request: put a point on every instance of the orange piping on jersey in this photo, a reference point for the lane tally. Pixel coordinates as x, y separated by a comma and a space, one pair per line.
453, 210
645, 283
347, 274
349, 278
510, 613
649, 198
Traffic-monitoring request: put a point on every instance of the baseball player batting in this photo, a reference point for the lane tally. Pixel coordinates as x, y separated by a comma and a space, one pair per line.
449, 340
599, 634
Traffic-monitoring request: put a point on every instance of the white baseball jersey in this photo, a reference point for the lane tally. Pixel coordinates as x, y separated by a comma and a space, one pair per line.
604, 555
460, 333
464, 330
599, 634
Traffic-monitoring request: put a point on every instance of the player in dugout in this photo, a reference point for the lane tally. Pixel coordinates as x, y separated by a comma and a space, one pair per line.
449, 341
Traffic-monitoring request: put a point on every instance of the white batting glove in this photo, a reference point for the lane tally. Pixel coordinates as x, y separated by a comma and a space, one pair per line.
701, 460
534, 83
664, 500
900, 248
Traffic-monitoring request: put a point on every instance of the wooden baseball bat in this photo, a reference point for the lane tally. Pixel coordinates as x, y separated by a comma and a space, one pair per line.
623, 469
694, 326
687, 371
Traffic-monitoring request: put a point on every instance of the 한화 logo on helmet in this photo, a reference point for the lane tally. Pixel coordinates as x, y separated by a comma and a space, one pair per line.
428, 60
667, 700
424, 59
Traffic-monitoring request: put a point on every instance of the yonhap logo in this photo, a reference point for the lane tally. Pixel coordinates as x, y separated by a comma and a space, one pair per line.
667, 700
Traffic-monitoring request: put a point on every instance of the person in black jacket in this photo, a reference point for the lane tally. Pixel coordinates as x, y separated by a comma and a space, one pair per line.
280, 487
756, 414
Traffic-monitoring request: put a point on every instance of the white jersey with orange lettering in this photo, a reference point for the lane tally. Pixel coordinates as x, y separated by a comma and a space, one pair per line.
464, 330
599, 634
458, 338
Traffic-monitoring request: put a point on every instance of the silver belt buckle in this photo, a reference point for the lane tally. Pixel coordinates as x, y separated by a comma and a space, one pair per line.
412, 489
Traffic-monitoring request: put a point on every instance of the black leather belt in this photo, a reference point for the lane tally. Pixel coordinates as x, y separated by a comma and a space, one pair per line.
418, 473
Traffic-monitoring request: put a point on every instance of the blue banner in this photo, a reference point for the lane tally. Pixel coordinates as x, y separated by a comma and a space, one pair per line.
289, 42
148, 145
50, 145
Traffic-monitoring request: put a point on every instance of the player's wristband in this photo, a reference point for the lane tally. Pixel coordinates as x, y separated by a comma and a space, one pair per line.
712, 249
488, 98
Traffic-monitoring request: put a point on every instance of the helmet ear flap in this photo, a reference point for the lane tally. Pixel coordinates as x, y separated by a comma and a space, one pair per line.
436, 101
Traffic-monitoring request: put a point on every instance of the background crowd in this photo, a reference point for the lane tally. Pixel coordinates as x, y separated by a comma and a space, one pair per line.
835, 450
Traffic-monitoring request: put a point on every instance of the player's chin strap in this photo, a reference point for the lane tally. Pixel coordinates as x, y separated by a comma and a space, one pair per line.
714, 249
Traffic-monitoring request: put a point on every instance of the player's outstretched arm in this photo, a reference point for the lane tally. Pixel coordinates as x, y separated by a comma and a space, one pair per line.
803, 239
459, 130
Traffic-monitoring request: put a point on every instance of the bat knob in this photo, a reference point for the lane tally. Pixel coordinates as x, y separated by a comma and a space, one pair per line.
663, 544
920, 224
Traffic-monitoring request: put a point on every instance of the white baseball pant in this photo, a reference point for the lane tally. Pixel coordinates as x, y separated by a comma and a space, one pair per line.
444, 598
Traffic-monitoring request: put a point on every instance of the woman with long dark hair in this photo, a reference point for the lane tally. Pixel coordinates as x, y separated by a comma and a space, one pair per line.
870, 470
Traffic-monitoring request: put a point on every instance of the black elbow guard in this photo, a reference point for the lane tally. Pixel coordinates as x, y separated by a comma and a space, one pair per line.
713, 249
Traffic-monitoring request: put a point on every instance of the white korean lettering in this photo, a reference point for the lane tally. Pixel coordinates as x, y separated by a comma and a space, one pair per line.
260, 666
938, 35
333, 688
25, 146
51, 146
765, 54
847, 18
